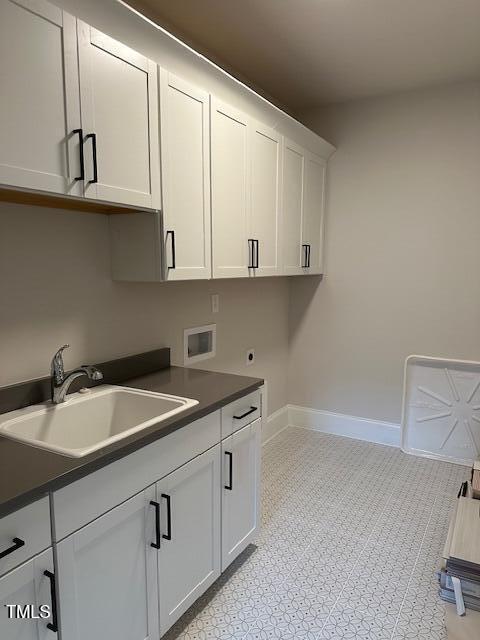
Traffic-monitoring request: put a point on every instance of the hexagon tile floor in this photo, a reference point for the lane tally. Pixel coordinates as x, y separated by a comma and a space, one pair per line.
351, 537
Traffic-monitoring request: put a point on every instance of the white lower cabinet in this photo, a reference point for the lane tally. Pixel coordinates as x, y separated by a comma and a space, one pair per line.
134, 570
32, 583
155, 553
107, 575
240, 494
189, 556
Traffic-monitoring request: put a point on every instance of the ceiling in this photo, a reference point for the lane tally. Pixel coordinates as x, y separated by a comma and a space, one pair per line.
305, 53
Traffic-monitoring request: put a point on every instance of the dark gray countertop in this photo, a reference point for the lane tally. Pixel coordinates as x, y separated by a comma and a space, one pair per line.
27, 473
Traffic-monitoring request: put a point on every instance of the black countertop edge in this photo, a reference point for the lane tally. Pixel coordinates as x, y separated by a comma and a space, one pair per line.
118, 450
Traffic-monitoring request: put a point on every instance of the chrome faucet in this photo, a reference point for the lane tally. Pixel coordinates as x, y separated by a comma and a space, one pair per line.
60, 383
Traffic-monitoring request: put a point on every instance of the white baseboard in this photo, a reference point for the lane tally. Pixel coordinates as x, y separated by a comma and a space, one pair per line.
329, 422
276, 422
342, 425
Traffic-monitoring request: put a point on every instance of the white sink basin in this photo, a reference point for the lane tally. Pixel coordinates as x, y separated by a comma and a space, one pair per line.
89, 421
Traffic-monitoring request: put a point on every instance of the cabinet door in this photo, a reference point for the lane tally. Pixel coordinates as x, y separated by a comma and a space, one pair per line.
230, 191
40, 106
107, 575
264, 227
27, 585
119, 105
185, 153
241, 490
293, 178
313, 208
189, 558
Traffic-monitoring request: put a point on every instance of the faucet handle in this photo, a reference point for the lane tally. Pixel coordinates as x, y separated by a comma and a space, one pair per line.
57, 369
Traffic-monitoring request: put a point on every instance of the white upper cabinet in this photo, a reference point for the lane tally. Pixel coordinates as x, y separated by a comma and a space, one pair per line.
303, 210
265, 223
119, 106
230, 191
185, 162
293, 177
84, 115
40, 108
313, 212
246, 195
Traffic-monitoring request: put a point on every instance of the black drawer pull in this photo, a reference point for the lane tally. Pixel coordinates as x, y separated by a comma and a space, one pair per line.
168, 535
79, 132
17, 543
156, 544
247, 413
229, 486
53, 625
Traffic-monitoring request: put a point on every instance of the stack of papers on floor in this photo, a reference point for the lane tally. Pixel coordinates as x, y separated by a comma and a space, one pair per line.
462, 557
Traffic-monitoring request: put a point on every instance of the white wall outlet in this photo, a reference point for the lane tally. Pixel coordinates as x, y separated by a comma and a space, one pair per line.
215, 303
250, 357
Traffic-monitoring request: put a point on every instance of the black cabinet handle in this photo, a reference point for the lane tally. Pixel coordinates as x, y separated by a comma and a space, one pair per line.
17, 543
79, 132
53, 625
156, 544
172, 233
168, 535
229, 455
255, 265
247, 413
250, 253
93, 137
304, 256
306, 253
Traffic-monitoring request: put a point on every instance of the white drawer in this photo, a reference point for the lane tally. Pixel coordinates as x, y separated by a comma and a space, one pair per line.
30, 526
81, 502
241, 412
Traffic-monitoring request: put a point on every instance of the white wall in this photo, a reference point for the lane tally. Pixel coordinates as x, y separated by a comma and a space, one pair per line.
55, 287
402, 253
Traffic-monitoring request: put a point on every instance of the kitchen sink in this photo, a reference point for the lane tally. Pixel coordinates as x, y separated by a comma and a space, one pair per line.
91, 420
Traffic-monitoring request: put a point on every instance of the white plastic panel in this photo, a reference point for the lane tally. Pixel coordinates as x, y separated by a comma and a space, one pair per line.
441, 409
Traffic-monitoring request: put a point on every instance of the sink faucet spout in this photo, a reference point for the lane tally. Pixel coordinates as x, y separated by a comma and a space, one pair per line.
60, 383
